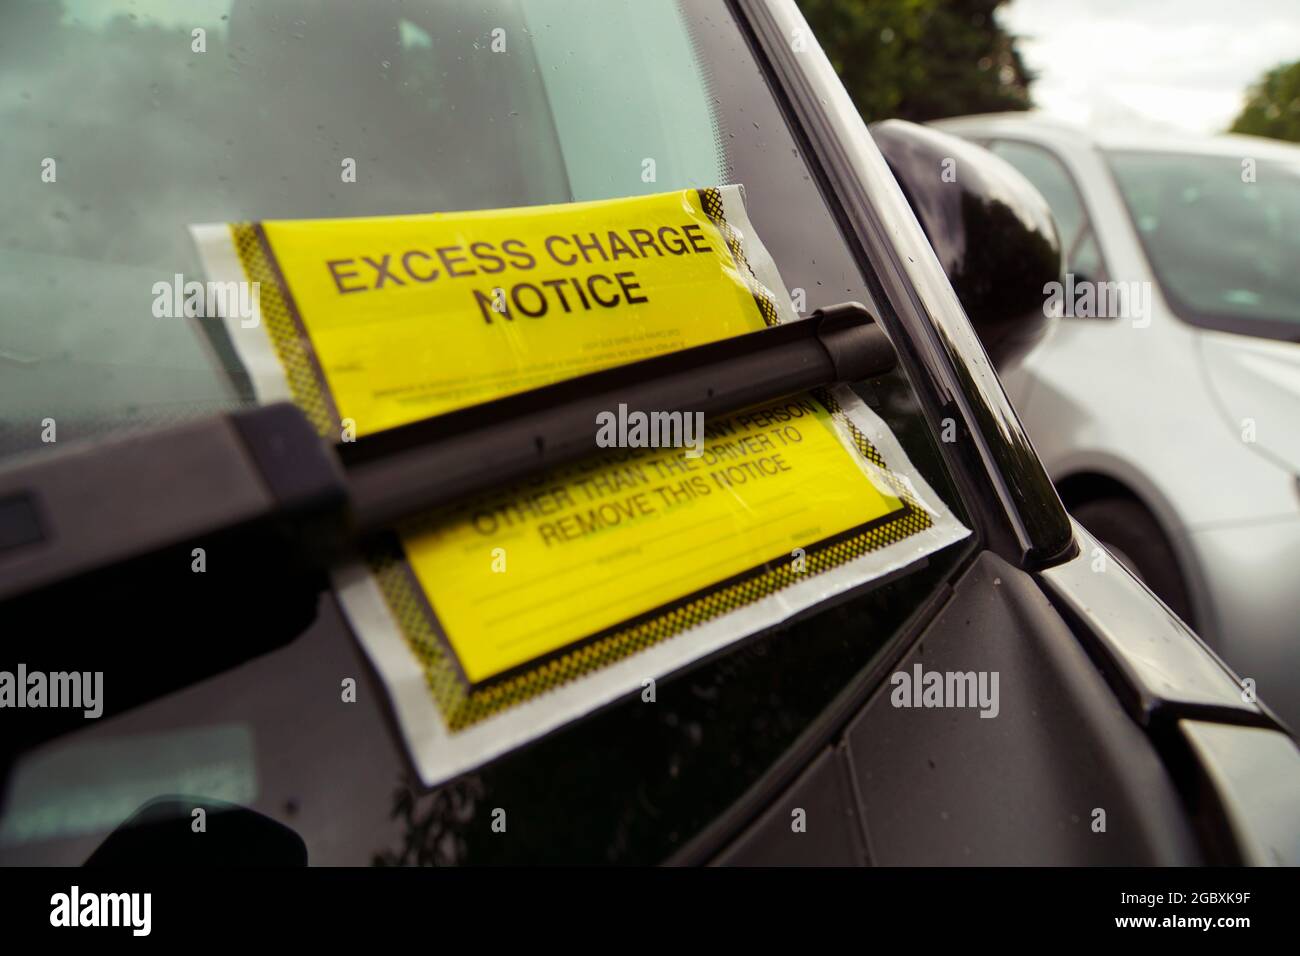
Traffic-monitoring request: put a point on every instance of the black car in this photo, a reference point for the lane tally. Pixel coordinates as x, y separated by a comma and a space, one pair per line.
1117, 736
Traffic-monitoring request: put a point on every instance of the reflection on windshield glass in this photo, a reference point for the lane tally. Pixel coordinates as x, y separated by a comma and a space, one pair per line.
152, 119
1223, 238
77, 786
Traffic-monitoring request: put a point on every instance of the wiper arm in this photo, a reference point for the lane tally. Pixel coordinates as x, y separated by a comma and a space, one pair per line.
70, 514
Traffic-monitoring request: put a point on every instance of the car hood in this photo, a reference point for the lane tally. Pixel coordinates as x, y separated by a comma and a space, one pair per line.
1257, 380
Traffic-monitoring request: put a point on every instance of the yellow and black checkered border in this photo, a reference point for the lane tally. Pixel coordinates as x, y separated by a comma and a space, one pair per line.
285, 329
711, 203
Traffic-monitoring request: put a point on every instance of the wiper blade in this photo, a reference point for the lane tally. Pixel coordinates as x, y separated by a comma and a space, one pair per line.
69, 514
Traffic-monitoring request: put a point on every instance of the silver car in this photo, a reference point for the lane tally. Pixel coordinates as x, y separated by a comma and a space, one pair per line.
1166, 402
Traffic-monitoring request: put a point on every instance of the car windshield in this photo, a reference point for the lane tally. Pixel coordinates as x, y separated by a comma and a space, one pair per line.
129, 120
1222, 235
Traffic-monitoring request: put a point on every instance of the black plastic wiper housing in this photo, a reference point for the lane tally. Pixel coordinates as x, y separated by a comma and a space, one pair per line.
69, 514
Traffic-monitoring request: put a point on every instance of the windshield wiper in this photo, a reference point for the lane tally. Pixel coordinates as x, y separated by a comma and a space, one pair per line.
99, 543
70, 514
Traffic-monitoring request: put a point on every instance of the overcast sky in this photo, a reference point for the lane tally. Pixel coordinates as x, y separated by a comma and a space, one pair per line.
1184, 63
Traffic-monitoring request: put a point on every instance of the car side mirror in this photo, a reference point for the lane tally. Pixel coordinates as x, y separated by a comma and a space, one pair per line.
990, 227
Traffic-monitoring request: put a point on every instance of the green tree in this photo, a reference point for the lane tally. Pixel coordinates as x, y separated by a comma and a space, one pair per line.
921, 59
1273, 105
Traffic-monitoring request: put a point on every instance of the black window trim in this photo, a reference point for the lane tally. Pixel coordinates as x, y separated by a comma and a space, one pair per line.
1012, 501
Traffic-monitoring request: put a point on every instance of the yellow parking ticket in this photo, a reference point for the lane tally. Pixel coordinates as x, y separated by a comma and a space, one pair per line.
384, 321
499, 618
580, 551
